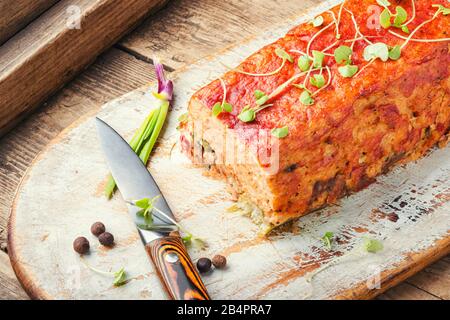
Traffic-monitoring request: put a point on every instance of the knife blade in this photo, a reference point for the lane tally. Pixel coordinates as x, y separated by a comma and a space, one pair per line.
167, 252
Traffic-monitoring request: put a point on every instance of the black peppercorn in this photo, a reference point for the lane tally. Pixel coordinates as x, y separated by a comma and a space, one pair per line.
98, 228
204, 265
219, 261
81, 245
106, 239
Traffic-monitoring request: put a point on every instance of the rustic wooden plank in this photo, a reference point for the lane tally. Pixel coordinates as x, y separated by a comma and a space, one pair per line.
10, 288
51, 50
406, 291
17, 14
113, 74
187, 30
434, 279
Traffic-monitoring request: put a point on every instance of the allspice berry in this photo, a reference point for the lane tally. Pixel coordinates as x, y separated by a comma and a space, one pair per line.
204, 265
81, 245
106, 239
219, 261
98, 228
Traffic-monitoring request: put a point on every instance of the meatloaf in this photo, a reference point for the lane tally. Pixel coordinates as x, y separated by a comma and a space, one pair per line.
360, 115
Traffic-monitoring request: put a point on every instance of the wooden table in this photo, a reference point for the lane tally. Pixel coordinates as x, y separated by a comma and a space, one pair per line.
183, 32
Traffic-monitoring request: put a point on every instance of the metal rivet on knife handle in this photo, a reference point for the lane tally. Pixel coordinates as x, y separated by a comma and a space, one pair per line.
186, 287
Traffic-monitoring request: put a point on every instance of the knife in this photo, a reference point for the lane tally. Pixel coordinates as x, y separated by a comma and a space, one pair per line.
167, 252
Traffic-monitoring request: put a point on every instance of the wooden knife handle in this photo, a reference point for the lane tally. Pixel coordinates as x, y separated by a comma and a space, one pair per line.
176, 269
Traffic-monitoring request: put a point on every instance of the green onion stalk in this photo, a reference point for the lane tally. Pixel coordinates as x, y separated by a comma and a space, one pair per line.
145, 137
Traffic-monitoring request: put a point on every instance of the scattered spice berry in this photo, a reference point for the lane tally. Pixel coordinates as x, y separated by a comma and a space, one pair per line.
106, 239
98, 228
81, 245
219, 261
204, 265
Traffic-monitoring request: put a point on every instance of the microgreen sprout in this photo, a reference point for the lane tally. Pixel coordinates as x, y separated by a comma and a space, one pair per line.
395, 52
327, 239
372, 245
338, 21
119, 276
148, 205
377, 50
318, 58
280, 132
317, 21
247, 114
317, 81
343, 54
304, 63
348, 70
261, 97
305, 98
280, 52
223, 106
440, 10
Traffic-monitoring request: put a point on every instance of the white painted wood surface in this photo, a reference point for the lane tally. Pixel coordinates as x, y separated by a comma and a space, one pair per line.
62, 195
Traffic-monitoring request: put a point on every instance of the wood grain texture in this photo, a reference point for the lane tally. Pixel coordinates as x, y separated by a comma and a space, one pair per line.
104, 81
434, 279
9, 286
188, 30
176, 270
18, 13
406, 291
52, 50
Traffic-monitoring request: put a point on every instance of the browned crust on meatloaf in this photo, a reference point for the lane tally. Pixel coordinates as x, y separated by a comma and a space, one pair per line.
393, 115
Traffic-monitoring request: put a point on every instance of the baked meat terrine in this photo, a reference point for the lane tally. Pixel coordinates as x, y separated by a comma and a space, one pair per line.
342, 98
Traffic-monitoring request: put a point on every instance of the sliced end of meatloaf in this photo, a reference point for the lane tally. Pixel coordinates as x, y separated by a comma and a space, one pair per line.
356, 129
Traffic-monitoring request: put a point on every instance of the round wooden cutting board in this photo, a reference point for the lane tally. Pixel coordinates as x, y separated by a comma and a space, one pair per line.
62, 195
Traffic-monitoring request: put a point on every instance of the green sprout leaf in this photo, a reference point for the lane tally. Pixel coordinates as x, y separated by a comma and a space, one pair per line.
318, 81
395, 52
259, 94
405, 29
189, 239
262, 100
304, 63
143, 203
400, 17
377, 50
318, 58
227, 107
218, 108
372, 245
384, 3
317, 21
120, 278
385, 18
441, 9
348, 71
280, 132
283, 54
247, 114
327, 239
343, 54
305, 98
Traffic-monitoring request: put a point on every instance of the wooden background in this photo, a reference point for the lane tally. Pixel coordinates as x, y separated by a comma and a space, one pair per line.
183, 32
